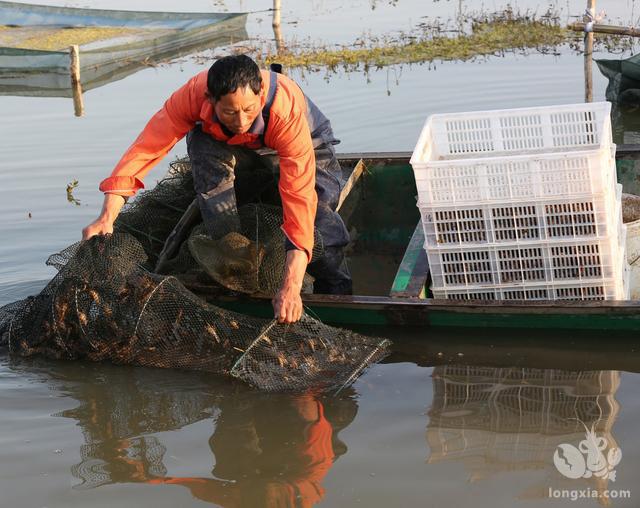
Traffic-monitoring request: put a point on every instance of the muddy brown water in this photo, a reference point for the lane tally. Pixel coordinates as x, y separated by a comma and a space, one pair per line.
451, 419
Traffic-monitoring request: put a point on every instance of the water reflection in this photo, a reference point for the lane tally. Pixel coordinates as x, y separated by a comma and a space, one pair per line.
267, 449
495, 420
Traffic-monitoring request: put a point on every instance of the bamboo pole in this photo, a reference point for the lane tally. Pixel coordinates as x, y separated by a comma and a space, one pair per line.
276, 13
606, 29
276, 25
76, 84
588, 53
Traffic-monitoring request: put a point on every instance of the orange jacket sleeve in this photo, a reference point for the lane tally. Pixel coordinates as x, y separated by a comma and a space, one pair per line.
168, 126
291, 138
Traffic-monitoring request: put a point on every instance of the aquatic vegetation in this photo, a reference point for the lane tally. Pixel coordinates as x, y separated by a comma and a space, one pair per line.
487, 38
70, 197
464, 38
52, 39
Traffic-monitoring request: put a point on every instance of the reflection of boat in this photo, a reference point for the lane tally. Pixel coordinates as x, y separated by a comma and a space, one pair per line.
123, 43
263, 446
534, 349
512, 419
390, 269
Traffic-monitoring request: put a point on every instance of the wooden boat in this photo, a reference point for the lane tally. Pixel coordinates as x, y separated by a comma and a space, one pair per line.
390, 269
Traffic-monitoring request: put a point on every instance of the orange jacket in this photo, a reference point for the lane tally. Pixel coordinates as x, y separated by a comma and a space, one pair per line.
287, 133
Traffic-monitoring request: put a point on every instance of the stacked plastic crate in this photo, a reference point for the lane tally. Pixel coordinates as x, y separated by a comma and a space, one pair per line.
522, 204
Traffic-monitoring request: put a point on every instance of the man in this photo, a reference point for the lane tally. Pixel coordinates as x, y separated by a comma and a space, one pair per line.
230, 114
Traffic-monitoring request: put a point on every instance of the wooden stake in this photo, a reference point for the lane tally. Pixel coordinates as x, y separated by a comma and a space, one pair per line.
588, 55
276, 13
76, 84
276, 25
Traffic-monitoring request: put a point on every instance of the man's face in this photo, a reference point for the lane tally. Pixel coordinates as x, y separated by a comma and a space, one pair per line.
238, 110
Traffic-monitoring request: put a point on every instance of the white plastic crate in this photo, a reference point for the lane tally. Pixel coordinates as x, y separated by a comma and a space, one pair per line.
515, 154
591, 217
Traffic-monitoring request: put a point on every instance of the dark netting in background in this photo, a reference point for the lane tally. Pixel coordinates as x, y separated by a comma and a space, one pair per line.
246, 251
103, 305
243, 251
153, 214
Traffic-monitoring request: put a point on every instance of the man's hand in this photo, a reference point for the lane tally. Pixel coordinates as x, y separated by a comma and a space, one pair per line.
287, 304
97, 227
103, 225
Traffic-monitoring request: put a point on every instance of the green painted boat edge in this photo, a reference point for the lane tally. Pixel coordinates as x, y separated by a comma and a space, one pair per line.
387, 311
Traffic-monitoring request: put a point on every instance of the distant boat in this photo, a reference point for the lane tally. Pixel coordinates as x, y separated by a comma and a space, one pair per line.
35, 40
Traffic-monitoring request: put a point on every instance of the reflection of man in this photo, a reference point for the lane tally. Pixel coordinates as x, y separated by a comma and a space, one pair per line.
227, 114
265, 466
269, 449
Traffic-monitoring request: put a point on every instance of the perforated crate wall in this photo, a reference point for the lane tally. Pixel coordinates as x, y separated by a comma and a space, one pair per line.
587, 218
515, 178
545, 262
521, 131
580, 290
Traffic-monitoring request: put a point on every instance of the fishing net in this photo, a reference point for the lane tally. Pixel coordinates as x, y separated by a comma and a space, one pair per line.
624, 80
151, 217
104, 305
630, 208
241, 251
246, 253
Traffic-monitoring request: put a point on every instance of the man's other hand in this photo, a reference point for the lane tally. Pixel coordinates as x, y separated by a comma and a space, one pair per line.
287, 304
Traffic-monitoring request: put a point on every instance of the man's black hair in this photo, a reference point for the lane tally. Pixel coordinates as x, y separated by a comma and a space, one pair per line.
232, 72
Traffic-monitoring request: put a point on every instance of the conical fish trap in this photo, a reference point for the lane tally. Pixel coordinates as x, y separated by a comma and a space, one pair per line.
103, 305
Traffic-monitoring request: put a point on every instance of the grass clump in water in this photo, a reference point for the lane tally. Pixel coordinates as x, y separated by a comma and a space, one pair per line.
52, 39
487, 35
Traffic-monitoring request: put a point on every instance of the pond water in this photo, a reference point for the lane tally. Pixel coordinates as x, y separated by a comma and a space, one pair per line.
449, 420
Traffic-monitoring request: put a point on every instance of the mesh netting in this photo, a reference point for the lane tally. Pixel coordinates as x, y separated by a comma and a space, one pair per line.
103, 305
246, 253
241, 251
630, 208
271, 359
151, 217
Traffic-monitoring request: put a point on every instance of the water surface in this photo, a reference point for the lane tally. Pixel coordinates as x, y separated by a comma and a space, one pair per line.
449, 420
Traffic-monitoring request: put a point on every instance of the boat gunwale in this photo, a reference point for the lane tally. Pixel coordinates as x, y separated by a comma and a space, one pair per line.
624, 151
476, 306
